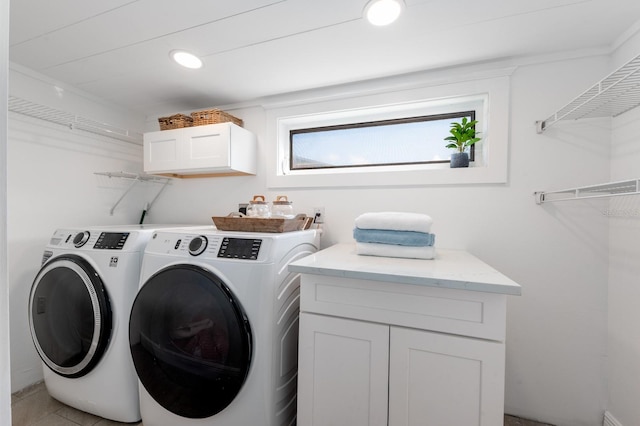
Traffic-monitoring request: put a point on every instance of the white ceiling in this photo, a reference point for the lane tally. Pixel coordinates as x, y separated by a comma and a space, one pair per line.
118, 50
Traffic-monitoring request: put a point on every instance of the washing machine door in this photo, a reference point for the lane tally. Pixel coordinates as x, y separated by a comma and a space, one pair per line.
69, 315
190, 341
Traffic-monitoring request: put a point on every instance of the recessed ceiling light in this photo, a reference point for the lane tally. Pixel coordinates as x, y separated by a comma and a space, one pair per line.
383, 12
186, 59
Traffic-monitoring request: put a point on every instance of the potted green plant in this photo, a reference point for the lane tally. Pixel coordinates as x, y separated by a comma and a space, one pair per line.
463, 135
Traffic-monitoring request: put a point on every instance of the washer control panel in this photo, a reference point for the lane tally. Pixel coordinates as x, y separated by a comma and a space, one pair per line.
111, 240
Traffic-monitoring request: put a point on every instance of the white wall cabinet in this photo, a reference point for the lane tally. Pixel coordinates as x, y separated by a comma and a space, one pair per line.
211, 150
376, 350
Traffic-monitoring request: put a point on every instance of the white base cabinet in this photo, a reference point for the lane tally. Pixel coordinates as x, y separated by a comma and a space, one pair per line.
366, 374
210, 150
379, 352
439, 379
342, 372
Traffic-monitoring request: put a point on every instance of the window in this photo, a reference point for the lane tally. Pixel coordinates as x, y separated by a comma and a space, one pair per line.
302, 131
396, 142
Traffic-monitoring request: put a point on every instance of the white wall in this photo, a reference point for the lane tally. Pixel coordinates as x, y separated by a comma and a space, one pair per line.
5, 397
556, 350
557, 330
624, 273
51, 184
556, 333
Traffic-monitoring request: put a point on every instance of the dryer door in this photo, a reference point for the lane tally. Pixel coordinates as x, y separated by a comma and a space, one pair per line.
69, 315
190, 341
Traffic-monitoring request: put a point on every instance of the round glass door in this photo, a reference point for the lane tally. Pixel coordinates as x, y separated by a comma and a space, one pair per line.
190, 341
70, 316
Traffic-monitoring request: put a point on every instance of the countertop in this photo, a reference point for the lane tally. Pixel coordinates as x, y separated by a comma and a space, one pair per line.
455, 269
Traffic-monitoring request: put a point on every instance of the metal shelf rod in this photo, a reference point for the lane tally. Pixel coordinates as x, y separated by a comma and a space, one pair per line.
613, 189
134, 176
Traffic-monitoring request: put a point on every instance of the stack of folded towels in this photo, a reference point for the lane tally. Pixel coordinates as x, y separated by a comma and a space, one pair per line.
394, 234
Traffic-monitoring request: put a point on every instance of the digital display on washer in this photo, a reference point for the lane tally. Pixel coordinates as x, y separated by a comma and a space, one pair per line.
111, 240
240, 248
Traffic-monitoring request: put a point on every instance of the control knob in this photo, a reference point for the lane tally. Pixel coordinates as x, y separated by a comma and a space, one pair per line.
81, 238
198, 245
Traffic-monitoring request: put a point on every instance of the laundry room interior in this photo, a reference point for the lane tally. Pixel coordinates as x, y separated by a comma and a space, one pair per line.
78, 117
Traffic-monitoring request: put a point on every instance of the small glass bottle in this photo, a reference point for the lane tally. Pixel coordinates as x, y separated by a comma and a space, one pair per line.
282, 207
258, 207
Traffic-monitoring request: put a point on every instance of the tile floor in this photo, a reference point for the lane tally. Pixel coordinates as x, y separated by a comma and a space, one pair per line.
516, 421
34, 407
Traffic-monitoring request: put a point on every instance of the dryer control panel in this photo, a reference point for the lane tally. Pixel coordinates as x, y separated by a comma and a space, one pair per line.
240, 248
211, 246
92, 239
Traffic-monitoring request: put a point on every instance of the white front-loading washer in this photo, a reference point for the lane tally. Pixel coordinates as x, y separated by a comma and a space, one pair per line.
214, 328
79, 309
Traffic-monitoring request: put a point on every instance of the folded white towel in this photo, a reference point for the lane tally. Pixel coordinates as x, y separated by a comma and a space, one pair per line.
391, 250
396, 221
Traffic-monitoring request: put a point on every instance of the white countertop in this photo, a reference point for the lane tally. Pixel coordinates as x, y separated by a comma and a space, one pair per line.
454, 269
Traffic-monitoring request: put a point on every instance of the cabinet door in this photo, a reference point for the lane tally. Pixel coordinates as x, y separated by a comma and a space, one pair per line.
206, 148
444, 380
162, 150
342, 372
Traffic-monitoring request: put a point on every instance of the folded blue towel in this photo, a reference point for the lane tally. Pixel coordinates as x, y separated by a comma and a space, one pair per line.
400, 238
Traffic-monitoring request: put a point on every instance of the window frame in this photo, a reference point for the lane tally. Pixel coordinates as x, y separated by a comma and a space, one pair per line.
400, 96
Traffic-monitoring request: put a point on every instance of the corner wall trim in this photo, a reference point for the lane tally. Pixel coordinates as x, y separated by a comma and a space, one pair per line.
609, 420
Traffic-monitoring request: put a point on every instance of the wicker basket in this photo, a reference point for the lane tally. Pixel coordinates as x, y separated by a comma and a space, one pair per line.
241, 223
213, 116
177, 121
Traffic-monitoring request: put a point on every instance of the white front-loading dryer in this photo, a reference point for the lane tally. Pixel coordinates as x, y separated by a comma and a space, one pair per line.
214, 328
79, 309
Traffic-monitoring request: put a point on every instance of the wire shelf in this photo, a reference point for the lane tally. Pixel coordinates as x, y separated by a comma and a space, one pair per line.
72, 121
616, 94
134, 176
611, 189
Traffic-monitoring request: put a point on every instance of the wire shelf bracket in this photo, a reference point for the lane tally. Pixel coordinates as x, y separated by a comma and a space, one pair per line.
136, 178
612, 189
616, 94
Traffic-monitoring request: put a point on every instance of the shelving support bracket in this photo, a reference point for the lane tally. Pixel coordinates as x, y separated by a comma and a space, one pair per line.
136, 177
124, 194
